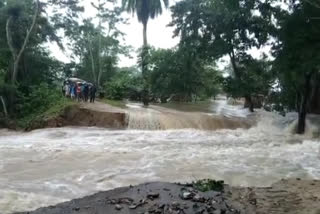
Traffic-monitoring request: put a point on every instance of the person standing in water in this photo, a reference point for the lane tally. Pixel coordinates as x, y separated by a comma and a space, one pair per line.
93, 91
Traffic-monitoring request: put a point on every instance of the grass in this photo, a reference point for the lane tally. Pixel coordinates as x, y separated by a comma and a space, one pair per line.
209, 185
115, 103
53, 111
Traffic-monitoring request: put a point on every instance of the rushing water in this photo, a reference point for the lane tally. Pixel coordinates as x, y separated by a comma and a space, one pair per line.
48, 166
203, 116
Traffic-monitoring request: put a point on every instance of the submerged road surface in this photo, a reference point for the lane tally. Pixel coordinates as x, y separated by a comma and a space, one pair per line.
48, 166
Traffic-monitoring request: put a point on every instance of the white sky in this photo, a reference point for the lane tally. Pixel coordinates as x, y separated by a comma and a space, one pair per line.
159, 35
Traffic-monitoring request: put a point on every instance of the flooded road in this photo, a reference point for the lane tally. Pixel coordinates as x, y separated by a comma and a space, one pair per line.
48, 166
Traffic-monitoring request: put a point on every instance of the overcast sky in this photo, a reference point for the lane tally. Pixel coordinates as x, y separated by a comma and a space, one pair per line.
159, 35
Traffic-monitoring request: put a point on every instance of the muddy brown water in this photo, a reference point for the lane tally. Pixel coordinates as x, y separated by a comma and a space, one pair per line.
48, 166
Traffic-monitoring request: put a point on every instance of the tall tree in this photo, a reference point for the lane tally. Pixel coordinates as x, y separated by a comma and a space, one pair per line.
297, 56
24, 18
98, 47
24, 61
145, 9
108, 19
223, 28
13, 13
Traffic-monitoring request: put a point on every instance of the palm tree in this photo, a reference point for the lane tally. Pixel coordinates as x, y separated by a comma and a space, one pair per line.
145, 9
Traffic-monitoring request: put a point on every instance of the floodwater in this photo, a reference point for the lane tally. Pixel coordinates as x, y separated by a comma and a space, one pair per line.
48, 166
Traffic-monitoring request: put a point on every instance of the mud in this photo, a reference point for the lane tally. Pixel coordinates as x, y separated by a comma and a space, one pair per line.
87, 115
292, 196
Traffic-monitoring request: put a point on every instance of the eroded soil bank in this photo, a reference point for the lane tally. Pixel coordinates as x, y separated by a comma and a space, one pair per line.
293, 196
98, 114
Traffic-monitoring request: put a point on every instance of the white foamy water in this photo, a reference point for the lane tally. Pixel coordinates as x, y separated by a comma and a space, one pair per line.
49, 166
212, 115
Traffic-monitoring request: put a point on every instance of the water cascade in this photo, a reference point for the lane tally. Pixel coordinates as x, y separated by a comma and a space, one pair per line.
159, 118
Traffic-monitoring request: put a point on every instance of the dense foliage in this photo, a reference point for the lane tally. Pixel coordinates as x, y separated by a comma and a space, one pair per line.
210, 30
298, 58
180, 73
24, 61
232, 28
125, 84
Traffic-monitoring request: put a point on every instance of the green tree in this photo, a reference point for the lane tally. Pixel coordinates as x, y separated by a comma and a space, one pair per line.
298, 57
256, 80
110, 46
181, 73
26, 17
24, 61
14, 11
145, 9
98, 47
125, 83
224, 28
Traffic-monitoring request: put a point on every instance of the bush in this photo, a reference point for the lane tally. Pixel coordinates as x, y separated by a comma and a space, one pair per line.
124, 84
116, 90
40, 99
43, 102
209, 185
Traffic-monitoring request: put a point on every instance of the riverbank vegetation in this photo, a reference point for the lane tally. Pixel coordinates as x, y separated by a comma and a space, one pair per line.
271, 48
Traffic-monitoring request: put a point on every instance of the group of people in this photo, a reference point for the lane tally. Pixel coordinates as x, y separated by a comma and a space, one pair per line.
80, 91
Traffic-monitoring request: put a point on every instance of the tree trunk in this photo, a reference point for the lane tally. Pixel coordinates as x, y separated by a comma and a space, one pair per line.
315, 96
145, 40
145, 94
17, 54
249, 103
304, 105
234, 64
100, 62
99, 55
9, 39
99, 47
15, 71
92, 64
4, 106
298, 98
302, 121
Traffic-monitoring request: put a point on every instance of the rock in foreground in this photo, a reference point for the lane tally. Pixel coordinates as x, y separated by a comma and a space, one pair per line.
148, 198
292, 196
